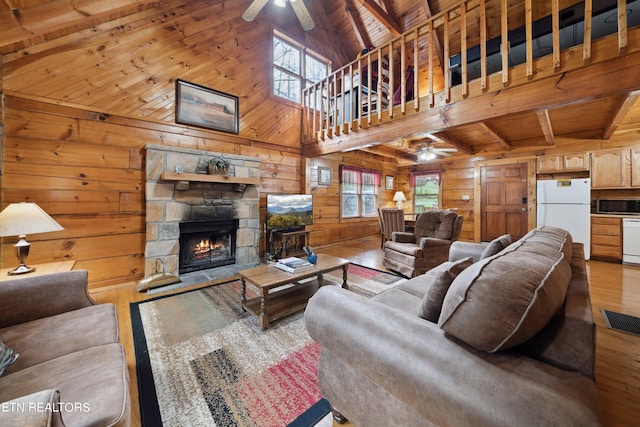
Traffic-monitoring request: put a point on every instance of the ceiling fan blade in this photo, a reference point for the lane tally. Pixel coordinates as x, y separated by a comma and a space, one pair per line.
253, 9
303, 14
447, 150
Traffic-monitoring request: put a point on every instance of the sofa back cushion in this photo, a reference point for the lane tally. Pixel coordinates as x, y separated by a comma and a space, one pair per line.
437, 223
496, 246
503, 301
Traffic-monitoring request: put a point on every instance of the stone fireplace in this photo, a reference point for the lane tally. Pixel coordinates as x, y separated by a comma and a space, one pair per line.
197, 221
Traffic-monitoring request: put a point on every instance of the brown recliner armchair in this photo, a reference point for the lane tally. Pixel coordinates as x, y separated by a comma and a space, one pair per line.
412, 254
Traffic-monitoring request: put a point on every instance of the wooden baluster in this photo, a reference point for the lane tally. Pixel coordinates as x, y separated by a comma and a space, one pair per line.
336, 126
504, 9
358, 99
483, 45
315, 111
622, 27
325, 110
416, 92
529, 36
463, 47
447, 77
586, 46
342, 102
391, 82
379, 88
555, 31
350, 106
403, 74
369, 88
430, 55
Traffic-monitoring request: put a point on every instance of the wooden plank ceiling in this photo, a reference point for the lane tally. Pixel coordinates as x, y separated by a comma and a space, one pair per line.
358, 24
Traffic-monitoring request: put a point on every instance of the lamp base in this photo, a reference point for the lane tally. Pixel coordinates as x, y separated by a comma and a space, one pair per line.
399, 205
21, 269
22, 252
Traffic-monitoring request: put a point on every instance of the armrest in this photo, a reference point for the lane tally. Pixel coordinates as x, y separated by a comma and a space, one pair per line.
31, 298
461, 250
403, 237
33, 410
432, 242
413, 360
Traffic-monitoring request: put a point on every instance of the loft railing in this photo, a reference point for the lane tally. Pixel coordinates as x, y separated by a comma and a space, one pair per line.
361, 94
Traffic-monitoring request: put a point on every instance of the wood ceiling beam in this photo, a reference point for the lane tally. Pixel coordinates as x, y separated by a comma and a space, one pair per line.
436, 40
382, 16
491, 134
545, 125
625, 102
448, 139
356, 23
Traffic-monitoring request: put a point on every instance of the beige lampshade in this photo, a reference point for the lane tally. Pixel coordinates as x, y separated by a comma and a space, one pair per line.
399, 197
19, 219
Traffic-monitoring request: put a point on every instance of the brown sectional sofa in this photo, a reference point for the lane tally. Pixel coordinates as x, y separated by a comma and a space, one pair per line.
513, 341
71, 368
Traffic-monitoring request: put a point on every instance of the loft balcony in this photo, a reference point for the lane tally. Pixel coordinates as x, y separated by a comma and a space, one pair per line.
452, 70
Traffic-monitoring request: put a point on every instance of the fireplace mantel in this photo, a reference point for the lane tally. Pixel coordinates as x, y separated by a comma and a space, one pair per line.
199, 177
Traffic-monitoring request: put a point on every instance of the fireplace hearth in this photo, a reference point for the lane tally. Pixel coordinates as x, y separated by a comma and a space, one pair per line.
207, 244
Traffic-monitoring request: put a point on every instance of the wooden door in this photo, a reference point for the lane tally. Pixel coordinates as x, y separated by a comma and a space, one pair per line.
504, 203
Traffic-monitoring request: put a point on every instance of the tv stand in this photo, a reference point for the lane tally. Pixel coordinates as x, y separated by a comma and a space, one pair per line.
285, 237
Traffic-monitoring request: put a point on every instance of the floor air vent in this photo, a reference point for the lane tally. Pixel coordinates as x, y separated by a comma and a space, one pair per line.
621, 322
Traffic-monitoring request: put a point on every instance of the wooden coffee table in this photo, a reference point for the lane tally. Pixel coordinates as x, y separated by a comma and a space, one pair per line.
275, 303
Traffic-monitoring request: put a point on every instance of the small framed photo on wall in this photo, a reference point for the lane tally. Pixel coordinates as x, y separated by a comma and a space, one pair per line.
324, 176
388, 182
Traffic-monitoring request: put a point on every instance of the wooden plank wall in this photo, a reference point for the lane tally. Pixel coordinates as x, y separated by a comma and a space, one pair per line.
79, 109
458, 175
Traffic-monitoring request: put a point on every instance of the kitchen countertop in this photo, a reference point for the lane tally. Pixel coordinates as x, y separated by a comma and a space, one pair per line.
616, 216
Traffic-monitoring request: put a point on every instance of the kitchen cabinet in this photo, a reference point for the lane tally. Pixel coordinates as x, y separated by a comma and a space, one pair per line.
635, 167
563, 163
612, 168
606, 238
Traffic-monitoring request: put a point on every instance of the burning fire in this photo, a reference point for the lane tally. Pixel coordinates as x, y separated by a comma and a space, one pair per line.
205, 247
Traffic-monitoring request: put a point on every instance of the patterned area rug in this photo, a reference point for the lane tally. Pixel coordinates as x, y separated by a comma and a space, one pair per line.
202, 361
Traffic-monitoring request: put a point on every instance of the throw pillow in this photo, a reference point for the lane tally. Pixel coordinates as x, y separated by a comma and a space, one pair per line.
496, 246
433, 298
505, 300
7, 356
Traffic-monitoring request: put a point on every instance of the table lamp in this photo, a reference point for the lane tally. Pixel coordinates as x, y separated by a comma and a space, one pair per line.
20, 219
399, 198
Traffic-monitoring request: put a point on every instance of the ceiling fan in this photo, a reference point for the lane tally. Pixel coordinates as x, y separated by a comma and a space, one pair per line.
297, 5
429, 152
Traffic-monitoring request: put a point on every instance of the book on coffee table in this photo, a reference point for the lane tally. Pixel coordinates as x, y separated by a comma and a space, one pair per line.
292, 264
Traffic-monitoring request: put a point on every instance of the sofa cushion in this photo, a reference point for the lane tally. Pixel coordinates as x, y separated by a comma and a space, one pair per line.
7, 356
55, 336
496, 246
442, 278
504, 300
95, 380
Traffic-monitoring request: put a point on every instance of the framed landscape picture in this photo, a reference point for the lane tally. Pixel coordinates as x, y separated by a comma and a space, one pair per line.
207, 108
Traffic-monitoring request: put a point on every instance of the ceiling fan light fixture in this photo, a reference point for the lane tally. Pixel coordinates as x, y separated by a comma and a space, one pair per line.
426, 155
280, 3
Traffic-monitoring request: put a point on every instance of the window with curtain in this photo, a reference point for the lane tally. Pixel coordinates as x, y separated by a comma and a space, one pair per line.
295, 67
426, 190
359, 192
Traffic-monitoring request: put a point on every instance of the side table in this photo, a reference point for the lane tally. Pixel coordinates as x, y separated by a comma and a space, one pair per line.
46, 268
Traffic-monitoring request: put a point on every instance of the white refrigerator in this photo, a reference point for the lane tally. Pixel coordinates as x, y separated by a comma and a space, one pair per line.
566, 203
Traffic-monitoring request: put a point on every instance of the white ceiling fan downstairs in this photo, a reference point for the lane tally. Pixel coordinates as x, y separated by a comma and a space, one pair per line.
429, 152
298, 7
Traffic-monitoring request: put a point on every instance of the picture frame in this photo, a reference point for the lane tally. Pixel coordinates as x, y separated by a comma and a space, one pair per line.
388, 182
324, 175
203, 107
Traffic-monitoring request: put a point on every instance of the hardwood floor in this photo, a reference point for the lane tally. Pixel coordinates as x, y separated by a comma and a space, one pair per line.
613, 287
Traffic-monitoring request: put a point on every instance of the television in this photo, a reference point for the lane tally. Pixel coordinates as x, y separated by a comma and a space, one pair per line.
289, 211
